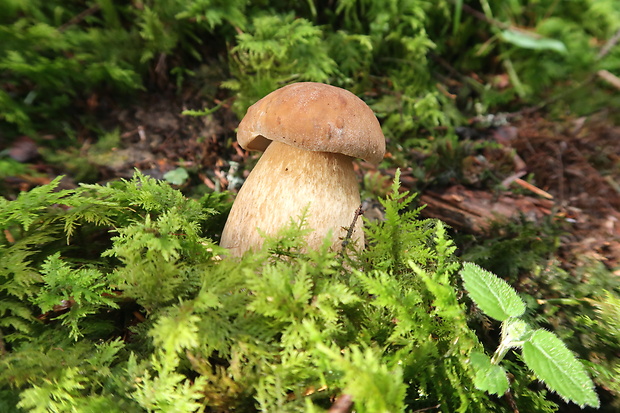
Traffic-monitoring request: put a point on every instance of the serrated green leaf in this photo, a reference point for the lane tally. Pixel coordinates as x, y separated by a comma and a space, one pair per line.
495, 297
489, 377
558, 368
530, 41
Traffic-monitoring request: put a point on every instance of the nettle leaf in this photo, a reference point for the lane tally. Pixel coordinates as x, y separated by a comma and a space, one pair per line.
495, 297
557, 367
489, 377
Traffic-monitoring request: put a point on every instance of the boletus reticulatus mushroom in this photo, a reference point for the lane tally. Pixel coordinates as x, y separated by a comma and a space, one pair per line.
310, 133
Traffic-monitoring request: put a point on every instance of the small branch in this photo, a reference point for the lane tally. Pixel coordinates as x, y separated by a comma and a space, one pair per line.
484, 18
9, 236
359, 211
511, 401
78, 18
613, 40
2, 345
609, 78
343, 404
426, 409
533, 188
514, 78
562, 301
562, 179
552, 99
500, 353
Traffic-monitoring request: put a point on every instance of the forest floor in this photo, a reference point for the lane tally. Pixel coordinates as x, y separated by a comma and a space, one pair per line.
567, 170
562, 173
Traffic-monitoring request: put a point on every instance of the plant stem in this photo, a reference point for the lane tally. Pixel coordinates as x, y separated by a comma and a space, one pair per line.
500, 353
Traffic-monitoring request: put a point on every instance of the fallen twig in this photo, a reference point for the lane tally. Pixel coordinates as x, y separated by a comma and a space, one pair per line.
359, 211
79, 17
533, 188
343, 404
609, 44
609, 78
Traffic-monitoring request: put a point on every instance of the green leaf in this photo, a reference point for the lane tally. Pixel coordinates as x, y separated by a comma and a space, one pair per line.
513, 331
493, 295
530, 41
558, 368
176, 176
489, 377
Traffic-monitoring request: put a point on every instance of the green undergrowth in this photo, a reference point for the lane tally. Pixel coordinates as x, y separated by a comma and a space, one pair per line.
577, 297
116, 298
420, 65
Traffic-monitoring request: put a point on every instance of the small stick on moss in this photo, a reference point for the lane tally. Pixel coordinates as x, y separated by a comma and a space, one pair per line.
2, 345
78, 18
359, 211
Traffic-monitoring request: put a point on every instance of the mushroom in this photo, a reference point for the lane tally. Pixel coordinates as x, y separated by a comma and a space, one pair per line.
310, 133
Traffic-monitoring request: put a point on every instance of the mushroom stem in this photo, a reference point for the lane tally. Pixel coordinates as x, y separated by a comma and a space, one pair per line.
286, 180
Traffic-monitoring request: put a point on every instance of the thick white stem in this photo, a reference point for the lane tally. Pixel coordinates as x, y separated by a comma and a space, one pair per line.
284, 182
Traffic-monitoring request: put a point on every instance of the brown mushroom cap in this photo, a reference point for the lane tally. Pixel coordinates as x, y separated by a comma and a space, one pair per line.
314, 117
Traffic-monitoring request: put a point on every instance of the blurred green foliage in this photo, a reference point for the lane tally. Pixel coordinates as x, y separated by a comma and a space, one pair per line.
413, 61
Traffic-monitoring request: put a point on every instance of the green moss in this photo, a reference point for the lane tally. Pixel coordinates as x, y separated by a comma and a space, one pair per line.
154, 319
